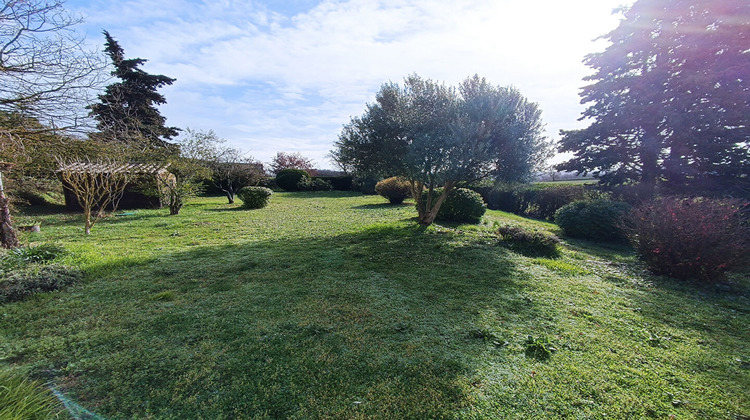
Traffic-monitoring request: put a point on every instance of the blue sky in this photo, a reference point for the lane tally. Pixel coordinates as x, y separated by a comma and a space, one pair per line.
274, 76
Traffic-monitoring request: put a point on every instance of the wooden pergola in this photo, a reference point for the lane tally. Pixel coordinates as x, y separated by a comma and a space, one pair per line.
143, 191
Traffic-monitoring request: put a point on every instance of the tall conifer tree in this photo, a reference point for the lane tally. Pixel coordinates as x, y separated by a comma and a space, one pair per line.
127, 111
669, 98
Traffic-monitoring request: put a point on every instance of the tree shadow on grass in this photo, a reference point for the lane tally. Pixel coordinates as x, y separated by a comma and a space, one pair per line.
230, 209
381, 321
382, 206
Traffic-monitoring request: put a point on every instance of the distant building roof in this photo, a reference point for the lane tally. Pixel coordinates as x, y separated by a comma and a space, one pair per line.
99, 167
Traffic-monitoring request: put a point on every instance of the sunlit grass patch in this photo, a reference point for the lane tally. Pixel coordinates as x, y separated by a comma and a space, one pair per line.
334, 305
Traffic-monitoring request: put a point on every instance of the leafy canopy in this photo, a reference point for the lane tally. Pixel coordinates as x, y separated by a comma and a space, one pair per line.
433, 135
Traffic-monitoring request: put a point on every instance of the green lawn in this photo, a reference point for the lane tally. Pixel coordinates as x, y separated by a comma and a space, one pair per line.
337, 305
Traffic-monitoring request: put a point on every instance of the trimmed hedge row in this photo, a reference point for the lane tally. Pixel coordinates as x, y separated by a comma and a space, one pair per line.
300, 180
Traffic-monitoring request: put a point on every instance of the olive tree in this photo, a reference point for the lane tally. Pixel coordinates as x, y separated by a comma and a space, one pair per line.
436, 135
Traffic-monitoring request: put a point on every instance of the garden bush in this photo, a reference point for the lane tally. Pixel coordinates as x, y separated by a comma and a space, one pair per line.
36, 278
395, 189
530, 242
21, 398
291, 179
691, 237
314, 184
598, 219
339, 183
462, 205
254, 197
534, 200
365, 185
19, 257
546, 201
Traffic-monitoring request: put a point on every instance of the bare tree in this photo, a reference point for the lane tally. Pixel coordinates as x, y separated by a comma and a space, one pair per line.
232, 170
98, 186
45, 71
46, 77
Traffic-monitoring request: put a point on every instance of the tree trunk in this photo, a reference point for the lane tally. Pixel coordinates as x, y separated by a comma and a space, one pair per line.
230, 195
8, 238
87, 220
650, 163
427, 214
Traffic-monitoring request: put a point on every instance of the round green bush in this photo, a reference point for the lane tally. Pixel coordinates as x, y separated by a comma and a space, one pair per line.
394, 189
292, 179
254, 197
598, 219
462, 205
529, 242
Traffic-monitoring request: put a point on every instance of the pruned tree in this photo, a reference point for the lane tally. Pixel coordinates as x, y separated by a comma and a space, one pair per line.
232, 170
127, 111
668, 99
98, 186
435, 135
284, 160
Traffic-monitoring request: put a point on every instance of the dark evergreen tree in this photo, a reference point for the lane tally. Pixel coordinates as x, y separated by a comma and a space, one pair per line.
669, 98
127, 111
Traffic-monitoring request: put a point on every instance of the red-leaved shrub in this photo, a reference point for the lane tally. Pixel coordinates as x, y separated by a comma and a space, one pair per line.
691, 237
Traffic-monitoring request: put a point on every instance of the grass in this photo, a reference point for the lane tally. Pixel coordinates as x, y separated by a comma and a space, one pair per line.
23, 399
336, 305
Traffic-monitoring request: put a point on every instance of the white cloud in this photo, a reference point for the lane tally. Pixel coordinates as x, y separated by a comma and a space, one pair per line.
269, 81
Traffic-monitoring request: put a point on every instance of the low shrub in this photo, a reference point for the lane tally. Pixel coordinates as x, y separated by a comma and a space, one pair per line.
546, 201
394, 189
462, 205
314, 184
270, 183
598, 219
254, 197
291, 179
36, 278
21, 398
19, 257
691, 237
529, 242
534, 200
339, 183
38, 254
365, 185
